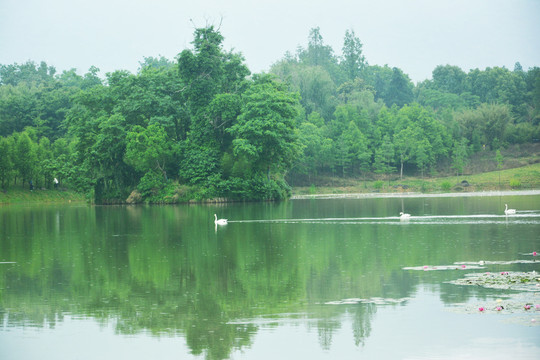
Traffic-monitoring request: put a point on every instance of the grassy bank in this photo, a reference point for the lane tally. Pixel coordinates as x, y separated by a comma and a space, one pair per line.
522, 178
21, 196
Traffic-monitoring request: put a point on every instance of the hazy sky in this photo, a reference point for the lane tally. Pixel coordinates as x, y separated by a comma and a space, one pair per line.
414, 35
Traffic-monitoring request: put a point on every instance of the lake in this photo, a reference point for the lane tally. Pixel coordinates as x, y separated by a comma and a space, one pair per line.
306, 278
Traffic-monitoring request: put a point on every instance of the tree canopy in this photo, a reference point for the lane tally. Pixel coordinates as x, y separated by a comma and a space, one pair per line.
202, 126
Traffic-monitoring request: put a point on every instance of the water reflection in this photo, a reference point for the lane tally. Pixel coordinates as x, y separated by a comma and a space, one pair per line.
166, 271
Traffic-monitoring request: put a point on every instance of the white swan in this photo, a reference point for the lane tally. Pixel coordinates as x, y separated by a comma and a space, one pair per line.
219, 221
508, 211
404, 216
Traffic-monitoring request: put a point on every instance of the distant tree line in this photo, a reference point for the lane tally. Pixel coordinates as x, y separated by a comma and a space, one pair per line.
204, 127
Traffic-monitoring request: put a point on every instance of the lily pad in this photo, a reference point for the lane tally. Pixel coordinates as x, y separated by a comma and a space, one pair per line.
519, 281
456, 266
374, 300
507, 262
520, 308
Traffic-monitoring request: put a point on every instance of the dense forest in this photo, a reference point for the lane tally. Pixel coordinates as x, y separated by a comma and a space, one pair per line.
204, 127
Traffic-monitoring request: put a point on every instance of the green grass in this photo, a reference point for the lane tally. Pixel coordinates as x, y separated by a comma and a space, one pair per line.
21, 196
521, 178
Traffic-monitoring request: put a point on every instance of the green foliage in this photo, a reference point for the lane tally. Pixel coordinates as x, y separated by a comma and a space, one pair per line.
148, 149
515, 184
198, 165
202, 123
459, 156
446, 185
150, 184
354, 62
449, 79
6, 162
264, 132
499, 158
256, 188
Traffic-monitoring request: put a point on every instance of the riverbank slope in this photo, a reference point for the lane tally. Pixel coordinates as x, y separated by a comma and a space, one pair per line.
520, 178
525, 178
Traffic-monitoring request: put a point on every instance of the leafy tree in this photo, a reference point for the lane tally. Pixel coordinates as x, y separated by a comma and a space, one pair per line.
6, 162
448, 79
156, 63
423, 149
317, 54
264, 132
28, 73
24, 157
379, 79
459, 156
148, 149
533, 92
405, 143
43, 172
107, 155
383, 157
199, 164
358, 155
311, 139
500, 160
18, 107
439, 100
399, 90
353, 61
214, 81
208, 71
496, 119
498, 85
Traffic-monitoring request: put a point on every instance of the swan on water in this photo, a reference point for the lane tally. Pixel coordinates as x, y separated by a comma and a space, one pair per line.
219, 221
508, 211
404, 216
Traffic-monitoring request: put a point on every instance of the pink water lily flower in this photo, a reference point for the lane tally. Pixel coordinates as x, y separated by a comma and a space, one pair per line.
499, 308
527, 307
481, 308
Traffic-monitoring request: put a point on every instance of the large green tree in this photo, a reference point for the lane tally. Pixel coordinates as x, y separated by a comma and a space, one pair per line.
265, 133
353, 61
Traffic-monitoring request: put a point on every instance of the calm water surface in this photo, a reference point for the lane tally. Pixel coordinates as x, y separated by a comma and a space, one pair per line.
311, 279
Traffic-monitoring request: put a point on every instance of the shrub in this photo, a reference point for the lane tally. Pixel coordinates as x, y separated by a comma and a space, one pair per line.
150, 184
378, 184
515, 183
446, 185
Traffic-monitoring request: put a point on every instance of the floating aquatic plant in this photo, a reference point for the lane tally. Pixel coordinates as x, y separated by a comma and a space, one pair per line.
443, 267
374, 300
521, 281
504, 262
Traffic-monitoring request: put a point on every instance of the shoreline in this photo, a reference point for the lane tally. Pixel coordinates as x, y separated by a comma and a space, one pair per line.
416, 195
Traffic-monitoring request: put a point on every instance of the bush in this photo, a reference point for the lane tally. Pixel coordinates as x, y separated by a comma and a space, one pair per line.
446, 185
150, 184
515, 183
378, 184
258, 188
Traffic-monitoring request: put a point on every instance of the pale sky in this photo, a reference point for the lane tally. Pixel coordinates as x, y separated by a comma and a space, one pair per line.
414, 35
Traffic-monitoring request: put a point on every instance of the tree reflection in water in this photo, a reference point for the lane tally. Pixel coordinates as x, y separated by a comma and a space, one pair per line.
165, 271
